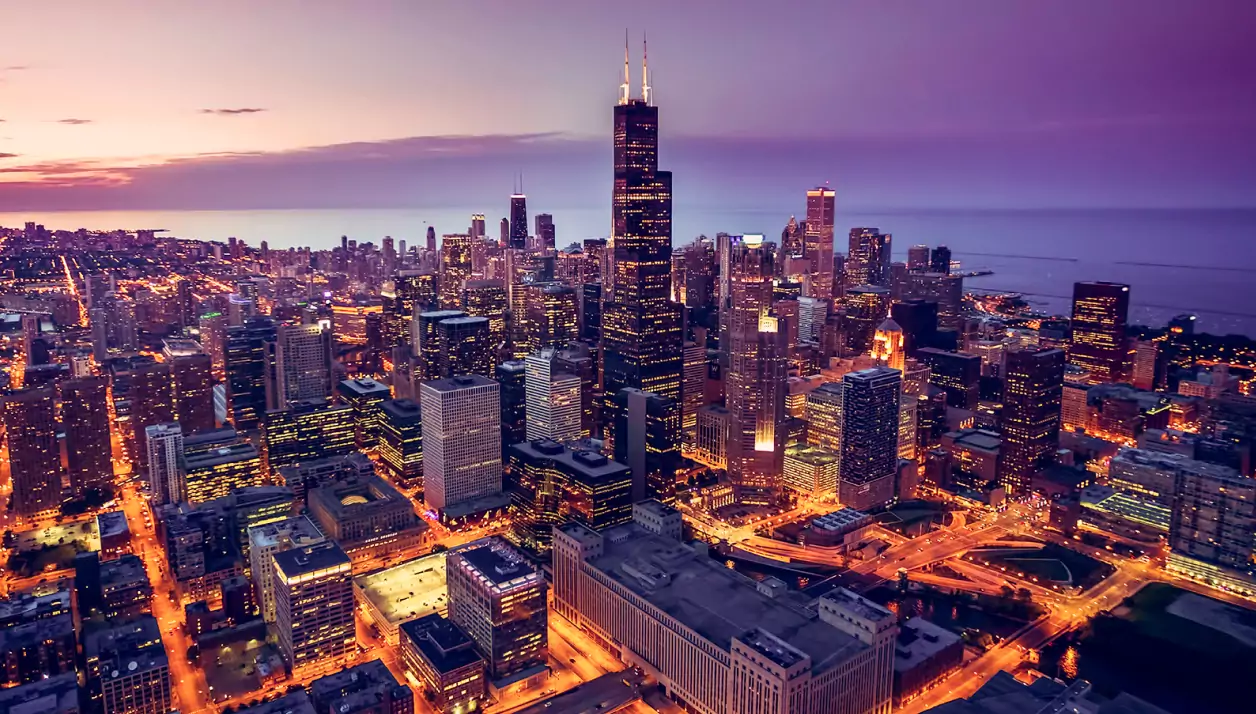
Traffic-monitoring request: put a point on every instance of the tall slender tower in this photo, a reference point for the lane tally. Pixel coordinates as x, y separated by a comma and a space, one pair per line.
641, 328
818, 240
757, 371
518, 221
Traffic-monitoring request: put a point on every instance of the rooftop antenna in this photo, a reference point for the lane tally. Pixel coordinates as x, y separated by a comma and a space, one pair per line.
624, 89
645, 71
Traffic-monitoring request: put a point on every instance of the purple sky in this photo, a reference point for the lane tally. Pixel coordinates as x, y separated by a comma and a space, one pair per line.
962, 103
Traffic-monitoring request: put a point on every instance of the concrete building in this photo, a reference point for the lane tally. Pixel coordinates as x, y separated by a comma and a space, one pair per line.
646, 433
365, 396
715, 640
127, 669
553, 407
366, 517
303, 363
166, 482
498, 598
400, 440
405, 592
552, 484
442, 658
367, 688
923, 655
264, 542
34, 455
713, 425
869, 441
462, 440
811, 470
58, 694
314, 607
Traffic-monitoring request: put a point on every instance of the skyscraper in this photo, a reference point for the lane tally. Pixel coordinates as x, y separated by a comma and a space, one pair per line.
646, 435
518, 221
553, 399
545, 232
551, 320
316, 429
498, 598
85, 418
870, 414
487, 298
512, 377
945, 290
693, 392
30, 429
462, 452
757, 360
868, 258
193, 392
940, 260
641, 328
466, 347
303, 363
818, 240
1100, 313
1032, 392
401, 439
455, 268
247, 360
425, 341
152, 402
314, 606
165, 453
918, 258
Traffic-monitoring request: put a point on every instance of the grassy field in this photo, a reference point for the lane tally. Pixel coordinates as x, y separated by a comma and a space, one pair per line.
1051, 564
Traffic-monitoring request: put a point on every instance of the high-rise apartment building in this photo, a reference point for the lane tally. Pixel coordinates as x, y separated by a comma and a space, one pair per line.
461, 439
818, 241
165, 462
869, 441
30, 432
85, 419
1032, 393
498, 598
551, 317
303, 363
512, 378
314, 607
693, 391
758, 368
1100, 313
823, 413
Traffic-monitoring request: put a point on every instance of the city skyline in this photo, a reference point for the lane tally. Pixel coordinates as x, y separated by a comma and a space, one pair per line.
1064, 118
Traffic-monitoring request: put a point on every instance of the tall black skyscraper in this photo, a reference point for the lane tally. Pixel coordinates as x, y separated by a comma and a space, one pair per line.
641, 328
1032, 391
1100, 313
248, 356
940, 260
518, 221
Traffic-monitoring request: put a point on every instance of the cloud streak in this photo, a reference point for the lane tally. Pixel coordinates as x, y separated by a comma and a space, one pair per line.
8, 156
74, 122
233, 112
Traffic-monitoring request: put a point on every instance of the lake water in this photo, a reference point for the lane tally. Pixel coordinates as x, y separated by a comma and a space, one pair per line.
1175, 261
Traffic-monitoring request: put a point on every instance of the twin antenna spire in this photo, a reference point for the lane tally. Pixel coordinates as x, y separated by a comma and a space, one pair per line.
625, 91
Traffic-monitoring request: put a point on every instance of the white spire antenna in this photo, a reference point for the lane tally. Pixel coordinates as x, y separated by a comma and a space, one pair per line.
645, 71
625, 89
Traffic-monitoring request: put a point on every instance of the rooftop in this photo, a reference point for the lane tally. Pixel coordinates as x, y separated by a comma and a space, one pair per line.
54, 695
918, 640
586, 463
810, 454
127, 647
311, 559
364, 387
297, 529
127, 569
498, 562
296, 703
410, 590
979, 439
402, 409
453, 384
840, 519
220, 455
111, 524
442, 643
717, 603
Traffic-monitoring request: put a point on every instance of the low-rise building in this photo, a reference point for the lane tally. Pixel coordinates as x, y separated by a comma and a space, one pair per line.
58, 694
443, 659
127, 669
923, 654
405, 592
268, 539
367, 517
365, 689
